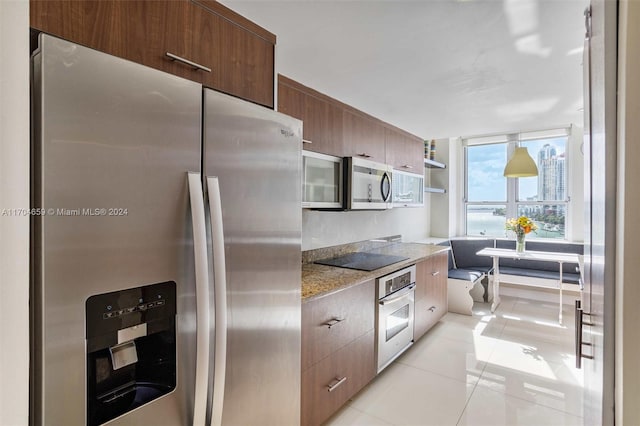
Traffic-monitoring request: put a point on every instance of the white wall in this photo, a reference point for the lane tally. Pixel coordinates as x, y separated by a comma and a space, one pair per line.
575, 186
627, 358
445, 212
14, 230
324, 229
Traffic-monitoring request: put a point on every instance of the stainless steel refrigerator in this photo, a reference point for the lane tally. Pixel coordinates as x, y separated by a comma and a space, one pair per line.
166, 230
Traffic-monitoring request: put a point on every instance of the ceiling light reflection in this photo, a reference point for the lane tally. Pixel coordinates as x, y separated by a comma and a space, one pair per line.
522, 16
532, 45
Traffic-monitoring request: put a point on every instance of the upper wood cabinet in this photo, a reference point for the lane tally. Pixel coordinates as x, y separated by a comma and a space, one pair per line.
404, 151
363, 137
334, 128
291, 101
239, 54
322, 119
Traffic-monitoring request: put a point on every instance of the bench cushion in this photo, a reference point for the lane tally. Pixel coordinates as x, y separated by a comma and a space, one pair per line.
570, 278
481, 268
449, 254
464, 253
560, 247
464, 274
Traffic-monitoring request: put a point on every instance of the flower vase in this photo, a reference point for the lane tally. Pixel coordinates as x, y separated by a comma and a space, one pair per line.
520, 243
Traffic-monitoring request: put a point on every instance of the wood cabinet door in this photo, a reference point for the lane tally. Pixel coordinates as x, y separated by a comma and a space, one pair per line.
323, 126
422, 319
241, 58
436, 291
330, 383
403, 151
291, 102
239, 53
363, 137
332, 321
431, 293
322, 119
138, 30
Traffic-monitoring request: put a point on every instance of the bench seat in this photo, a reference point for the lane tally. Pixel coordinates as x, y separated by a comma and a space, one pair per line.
567, 277
470, 276
465, 274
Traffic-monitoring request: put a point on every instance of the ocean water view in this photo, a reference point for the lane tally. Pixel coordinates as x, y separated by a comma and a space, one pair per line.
484, 222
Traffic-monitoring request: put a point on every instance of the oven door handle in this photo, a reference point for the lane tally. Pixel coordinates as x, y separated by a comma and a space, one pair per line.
399, 295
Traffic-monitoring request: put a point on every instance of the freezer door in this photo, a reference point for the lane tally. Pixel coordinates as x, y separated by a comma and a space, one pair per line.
256, 155
113, 142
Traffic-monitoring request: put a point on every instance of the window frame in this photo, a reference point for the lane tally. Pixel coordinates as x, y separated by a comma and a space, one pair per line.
513, 140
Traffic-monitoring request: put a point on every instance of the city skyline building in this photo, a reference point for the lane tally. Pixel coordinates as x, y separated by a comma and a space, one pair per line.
551, 174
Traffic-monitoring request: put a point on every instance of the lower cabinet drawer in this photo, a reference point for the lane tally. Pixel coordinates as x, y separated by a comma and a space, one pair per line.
426, 316
332, 321
331, 382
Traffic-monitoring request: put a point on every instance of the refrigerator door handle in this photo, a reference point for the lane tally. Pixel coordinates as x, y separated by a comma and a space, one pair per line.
220, 292
202, 299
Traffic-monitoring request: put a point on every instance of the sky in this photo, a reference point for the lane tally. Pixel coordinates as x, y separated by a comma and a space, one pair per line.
486, 165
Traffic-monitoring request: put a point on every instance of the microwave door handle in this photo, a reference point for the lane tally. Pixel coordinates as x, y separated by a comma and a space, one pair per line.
385, 194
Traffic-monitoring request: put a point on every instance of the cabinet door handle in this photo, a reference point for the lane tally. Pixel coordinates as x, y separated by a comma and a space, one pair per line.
432, 309
435, 274
187, 62
365, 155
407, 166
336, 383
333, 322
306, 141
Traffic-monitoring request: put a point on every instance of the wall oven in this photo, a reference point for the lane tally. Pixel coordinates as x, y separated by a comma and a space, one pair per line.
396, 296
368, 185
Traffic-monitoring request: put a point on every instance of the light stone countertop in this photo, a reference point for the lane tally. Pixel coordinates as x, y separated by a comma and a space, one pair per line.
321, 280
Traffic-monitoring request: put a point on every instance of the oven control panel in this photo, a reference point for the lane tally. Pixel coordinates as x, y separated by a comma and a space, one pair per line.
395, 281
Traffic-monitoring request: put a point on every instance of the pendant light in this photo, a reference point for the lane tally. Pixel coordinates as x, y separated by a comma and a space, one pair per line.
521, 165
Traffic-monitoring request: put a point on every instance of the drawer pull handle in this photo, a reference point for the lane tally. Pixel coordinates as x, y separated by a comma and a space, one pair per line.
187, 62
432, 309
436, 273
336, 383
333, 322
306, 141
365, 155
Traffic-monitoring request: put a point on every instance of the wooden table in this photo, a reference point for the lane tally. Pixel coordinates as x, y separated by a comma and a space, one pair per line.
541, 256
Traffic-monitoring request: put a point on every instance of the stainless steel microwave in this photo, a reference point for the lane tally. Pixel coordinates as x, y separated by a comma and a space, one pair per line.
369, 185
322, 181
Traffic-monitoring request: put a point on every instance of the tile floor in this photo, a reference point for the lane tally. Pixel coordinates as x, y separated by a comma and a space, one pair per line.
515, 367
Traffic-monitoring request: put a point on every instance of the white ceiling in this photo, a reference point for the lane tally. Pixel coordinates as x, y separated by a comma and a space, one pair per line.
437, 68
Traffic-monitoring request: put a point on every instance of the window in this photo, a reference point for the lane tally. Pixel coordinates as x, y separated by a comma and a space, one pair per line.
490, 198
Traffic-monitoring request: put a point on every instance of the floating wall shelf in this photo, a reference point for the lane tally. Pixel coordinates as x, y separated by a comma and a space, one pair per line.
435, 190
434, 164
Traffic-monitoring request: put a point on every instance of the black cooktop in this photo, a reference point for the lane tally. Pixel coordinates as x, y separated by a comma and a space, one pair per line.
362, 261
